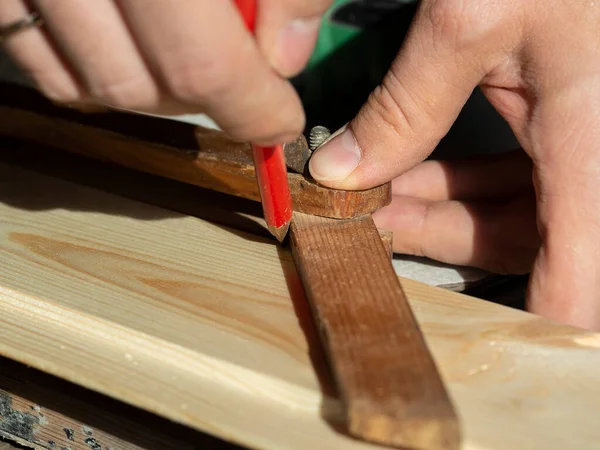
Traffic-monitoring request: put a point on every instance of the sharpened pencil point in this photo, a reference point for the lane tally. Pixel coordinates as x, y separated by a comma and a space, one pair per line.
279, 233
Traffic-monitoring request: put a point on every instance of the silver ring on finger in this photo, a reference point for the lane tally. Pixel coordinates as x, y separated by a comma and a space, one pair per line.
31, 21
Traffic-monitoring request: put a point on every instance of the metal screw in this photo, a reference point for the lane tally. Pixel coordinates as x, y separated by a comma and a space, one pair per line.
317, 136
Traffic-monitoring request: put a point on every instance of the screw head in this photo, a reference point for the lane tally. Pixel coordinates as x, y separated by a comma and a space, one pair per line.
318, 135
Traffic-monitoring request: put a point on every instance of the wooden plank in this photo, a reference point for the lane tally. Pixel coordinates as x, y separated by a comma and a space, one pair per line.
7, 446
41, 411
231, 211
194, 155
389, 384
208, 327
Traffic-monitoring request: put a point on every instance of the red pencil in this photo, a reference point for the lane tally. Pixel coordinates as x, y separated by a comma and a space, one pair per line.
271, 171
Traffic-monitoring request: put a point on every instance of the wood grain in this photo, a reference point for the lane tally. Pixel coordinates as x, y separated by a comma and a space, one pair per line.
208, 327
194, 155
389, 384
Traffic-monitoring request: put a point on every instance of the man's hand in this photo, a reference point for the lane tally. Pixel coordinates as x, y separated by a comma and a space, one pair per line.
478, 212
173, 57
538, 62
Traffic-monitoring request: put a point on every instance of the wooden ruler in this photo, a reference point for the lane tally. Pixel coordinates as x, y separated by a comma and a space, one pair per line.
390, 385
209, 327
194, 155
386, 377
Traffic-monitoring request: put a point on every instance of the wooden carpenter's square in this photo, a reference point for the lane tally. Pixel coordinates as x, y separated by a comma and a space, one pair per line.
188, 153
386, 377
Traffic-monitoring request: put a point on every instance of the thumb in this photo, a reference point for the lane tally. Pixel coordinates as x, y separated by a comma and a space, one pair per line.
407, 115
288, 30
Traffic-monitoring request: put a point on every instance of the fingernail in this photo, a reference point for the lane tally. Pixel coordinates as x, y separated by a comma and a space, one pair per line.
294, 42
336, 159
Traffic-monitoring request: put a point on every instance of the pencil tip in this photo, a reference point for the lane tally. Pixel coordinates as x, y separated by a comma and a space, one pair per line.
279, 233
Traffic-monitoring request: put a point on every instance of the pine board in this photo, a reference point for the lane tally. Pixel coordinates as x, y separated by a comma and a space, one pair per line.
208, 326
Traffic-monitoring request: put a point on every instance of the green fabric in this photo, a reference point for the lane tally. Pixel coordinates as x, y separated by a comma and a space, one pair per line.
332, 36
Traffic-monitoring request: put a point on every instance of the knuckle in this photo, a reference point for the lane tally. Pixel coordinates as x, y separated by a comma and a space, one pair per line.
384, 109
198, 80
420, 246
425, 218
446, 19
404, 111
133, 92
456, 23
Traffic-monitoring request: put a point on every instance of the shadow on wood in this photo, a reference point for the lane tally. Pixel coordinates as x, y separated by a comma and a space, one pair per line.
331, 406
235, 213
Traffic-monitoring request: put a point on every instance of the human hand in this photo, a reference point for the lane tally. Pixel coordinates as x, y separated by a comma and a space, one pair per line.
477, 212
165, 57
538, 63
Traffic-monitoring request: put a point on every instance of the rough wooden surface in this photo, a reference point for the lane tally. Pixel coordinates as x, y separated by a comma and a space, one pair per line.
194, 155
389, 385
8, 446
209, 327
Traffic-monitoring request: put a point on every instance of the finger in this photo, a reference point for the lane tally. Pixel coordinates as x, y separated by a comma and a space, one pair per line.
565, 283
450, 47
287, 32
482, 178
33, 52
208, 60
96, 42
498, 237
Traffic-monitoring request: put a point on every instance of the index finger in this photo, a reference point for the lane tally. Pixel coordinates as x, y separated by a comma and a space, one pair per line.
208, 61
